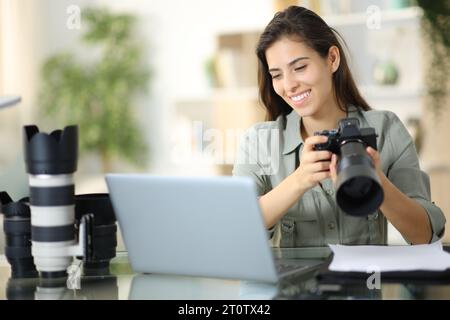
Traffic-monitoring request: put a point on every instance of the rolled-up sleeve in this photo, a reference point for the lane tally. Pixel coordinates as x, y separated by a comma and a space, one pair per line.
247, 164
405, 173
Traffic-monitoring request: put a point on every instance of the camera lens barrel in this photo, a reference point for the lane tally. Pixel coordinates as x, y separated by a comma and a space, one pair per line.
359, 191
104, 230
51, 160
17, 229
53, 289
21, 289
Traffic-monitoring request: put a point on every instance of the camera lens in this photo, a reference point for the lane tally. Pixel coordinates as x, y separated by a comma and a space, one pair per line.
359, 190
17, 228
51, 160
54, 288
21, 289
104, 231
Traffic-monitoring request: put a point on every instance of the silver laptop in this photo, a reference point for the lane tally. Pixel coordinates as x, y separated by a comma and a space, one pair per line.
198, 226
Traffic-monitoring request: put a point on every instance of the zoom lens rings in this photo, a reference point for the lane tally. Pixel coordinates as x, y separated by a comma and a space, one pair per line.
51, 160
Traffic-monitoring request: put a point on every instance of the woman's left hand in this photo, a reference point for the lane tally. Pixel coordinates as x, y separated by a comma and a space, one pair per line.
374, 154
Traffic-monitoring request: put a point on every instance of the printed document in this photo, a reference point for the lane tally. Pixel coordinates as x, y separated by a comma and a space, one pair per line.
371, 258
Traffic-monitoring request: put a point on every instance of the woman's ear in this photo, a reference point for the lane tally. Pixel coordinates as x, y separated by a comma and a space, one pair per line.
334, 58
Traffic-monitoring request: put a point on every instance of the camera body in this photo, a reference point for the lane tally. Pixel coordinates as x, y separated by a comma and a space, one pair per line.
358, 186
348, 131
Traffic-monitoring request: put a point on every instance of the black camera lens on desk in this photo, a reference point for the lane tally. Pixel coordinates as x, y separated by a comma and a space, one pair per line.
103, 233
358, 187
17, 229
21, 288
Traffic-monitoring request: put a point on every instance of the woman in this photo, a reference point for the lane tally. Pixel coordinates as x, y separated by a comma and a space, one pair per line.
306, 86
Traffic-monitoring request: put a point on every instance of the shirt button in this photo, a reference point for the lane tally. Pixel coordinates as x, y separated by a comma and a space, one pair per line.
331, 225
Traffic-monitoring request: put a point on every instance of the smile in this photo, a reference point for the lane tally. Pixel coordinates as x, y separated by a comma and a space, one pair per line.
301, 96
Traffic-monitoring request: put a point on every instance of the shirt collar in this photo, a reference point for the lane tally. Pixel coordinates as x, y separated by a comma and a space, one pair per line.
292, 135
353, 111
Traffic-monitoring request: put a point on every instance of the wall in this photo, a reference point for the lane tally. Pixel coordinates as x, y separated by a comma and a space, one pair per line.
180, 37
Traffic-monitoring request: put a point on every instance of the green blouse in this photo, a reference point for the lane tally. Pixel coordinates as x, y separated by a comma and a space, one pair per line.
270, 150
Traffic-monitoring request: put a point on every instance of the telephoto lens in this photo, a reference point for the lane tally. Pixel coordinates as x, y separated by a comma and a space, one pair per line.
359, 191
53, 289
17, 229
51, 160
104, 231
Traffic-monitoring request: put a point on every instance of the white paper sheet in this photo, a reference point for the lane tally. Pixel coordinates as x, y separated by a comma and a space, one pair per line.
389, 258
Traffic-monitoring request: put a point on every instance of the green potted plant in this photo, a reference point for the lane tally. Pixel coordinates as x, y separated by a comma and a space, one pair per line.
436, 26
98, 96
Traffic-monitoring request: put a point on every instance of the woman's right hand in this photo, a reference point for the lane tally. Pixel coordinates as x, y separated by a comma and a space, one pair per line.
314, 165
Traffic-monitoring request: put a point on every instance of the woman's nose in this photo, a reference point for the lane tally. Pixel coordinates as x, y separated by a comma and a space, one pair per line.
290, 83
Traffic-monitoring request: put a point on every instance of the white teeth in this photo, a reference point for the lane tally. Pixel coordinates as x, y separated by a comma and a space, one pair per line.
301, 96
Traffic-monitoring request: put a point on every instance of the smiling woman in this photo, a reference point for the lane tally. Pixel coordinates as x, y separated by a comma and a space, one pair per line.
306, 86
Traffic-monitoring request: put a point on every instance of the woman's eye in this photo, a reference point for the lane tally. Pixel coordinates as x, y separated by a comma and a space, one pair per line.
275, 76
300, 68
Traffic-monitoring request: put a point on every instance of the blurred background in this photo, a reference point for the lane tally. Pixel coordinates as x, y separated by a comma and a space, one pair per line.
168, 87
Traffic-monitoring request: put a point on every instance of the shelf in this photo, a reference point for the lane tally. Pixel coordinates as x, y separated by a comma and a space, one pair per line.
391, 92
398, 15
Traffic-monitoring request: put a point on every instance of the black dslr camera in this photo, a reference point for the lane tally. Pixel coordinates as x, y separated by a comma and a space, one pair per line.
348, 130
358, 188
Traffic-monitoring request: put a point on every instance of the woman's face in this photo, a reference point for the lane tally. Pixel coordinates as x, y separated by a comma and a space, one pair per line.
302, 77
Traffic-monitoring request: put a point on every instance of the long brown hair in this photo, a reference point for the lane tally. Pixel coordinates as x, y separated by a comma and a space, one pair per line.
301, 23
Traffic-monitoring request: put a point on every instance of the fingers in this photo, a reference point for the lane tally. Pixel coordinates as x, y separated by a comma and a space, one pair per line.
334, 160
317, 171
321, 166
314, 156
333, 168
319, 176
313, 140
375, 155
372, 152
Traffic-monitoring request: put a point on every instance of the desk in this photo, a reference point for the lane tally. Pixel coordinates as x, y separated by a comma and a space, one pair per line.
122, 283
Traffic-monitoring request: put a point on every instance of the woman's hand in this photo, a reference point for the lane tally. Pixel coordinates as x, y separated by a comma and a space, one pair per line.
314, 165
375, 155
333, 168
